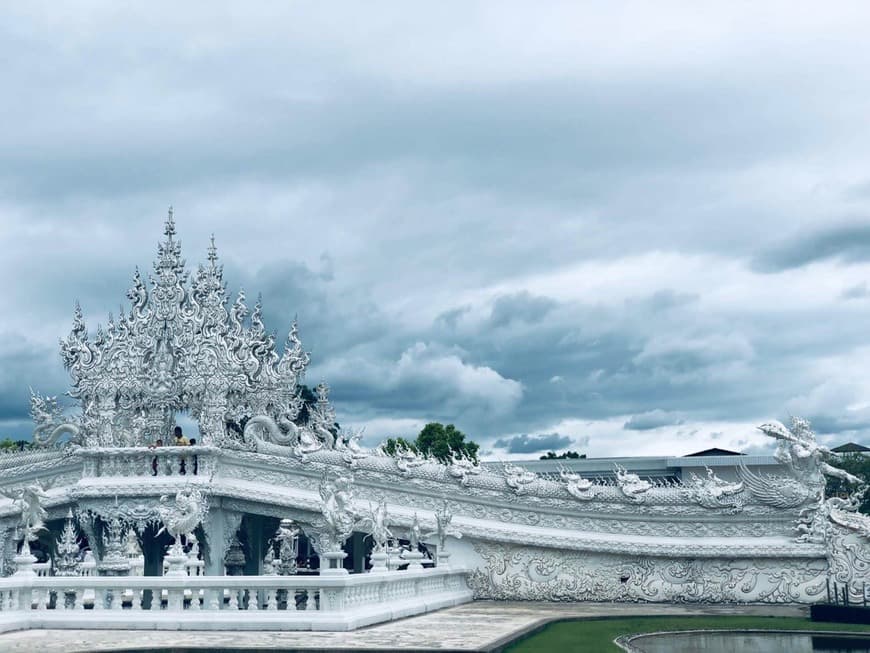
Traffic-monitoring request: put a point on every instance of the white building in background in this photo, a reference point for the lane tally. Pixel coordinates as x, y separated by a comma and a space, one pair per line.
662, 469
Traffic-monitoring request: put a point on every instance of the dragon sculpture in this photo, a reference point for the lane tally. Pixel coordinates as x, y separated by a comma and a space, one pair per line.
351, 448
845, 513
462, 468
633, 487
578, 487
49, 420
518, 478
714, 492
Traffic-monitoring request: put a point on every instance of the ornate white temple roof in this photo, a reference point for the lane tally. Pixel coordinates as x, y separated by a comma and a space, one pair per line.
181, 347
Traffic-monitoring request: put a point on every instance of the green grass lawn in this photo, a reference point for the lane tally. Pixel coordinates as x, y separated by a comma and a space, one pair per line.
595, 635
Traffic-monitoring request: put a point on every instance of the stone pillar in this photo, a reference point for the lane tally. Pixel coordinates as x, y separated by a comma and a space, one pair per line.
331, 553
379, 562
24, 561
332, 563
358, 546
152, 551
105, 421
313, 536
254, 531
88, 526
219, 531
414, 559
155, 426
212, 423
5, 537
176, 560
235, 559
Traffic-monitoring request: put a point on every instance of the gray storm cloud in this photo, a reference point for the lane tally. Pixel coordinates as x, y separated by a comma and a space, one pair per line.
583, 222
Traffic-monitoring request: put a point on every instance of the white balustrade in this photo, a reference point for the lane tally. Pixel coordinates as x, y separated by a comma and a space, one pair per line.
151, 461
42, 569
137, 565
262, 602
88, 566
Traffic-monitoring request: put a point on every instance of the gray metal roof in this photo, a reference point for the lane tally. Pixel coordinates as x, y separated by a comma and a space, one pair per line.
641, 464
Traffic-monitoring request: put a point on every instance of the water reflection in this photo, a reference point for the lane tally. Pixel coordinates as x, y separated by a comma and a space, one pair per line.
761, 642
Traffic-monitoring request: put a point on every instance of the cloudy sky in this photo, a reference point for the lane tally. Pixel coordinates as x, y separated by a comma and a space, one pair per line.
620, 228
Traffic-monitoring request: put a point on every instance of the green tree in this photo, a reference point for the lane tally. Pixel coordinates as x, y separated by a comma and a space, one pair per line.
442, 442
438, 441
854, 463
392, 445
551, 455
309, 400
8, 444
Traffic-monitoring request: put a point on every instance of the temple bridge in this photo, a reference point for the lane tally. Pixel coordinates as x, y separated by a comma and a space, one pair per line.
276, 518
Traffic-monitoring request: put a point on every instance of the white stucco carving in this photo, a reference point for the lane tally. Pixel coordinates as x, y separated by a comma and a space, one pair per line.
28, 502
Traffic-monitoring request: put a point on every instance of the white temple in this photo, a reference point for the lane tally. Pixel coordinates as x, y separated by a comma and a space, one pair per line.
277, 519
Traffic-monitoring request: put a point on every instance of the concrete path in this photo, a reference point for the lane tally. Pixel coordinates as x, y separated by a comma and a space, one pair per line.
477, 626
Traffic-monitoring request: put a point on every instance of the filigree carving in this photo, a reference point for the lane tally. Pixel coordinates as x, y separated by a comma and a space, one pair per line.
28, 503
578, 487
184, 513
443, 528
181, 346
407, 460
287, 539
114, 560
806, 459
140, 514
352, 451
631, 485
376, 523
515, 572
50, 423
518, 478
713, 492
339, 515
68, 545
184, 346
463, 469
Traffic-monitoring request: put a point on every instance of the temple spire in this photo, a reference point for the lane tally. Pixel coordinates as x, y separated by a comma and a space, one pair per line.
212, 253
169, 229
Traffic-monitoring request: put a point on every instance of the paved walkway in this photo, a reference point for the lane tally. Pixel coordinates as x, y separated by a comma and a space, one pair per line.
476, 626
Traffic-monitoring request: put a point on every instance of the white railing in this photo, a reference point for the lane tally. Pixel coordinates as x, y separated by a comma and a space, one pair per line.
137, 565
244, 602
197, 460
193, 567
42, 569
88, 566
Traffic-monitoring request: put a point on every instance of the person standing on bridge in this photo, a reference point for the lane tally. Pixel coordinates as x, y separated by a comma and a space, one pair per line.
181, 441
159, 443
